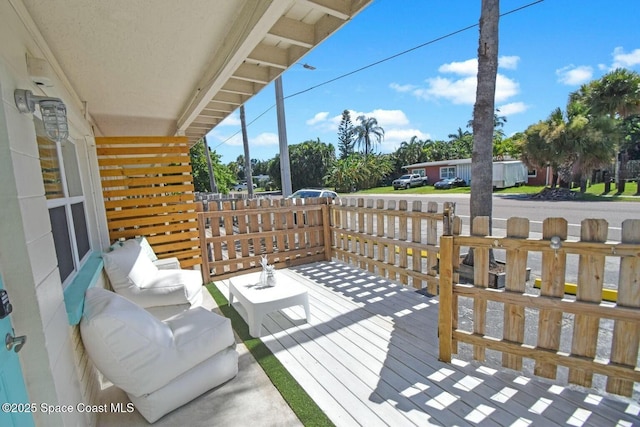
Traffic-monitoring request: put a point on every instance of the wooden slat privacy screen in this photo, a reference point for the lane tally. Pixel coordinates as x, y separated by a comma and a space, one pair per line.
148, 191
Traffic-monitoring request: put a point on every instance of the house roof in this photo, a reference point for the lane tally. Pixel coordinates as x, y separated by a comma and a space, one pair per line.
166, 67
454, 162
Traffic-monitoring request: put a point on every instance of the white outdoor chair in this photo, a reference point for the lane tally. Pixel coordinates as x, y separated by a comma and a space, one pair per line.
161, 365
133, 274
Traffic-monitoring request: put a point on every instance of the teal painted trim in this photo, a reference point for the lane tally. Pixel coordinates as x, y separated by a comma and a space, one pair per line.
86, 278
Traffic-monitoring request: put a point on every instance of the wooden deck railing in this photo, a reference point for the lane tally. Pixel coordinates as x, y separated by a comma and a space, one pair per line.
552, 312
395, 243
422, 250
235, 234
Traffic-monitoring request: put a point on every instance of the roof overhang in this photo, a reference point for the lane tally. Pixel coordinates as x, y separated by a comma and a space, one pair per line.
163, 67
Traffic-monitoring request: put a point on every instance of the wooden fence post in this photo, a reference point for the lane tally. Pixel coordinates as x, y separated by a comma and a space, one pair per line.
369, 231
391, 234
480, 279
416, 236
445, 309
626, 335
326, 227
590, 281
515, 281
361, 244
432, 240
204, 248
402, 235
554, 265
380, 233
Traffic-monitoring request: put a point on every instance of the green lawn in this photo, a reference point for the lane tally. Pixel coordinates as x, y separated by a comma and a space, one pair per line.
594, 192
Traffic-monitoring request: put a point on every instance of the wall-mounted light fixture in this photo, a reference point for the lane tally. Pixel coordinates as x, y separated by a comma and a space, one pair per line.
53, 110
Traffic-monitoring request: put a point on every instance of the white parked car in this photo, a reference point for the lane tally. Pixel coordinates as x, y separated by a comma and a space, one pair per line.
242, 186
312, 192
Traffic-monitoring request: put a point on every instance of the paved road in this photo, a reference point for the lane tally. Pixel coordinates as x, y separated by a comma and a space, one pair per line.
536, 211
505, 207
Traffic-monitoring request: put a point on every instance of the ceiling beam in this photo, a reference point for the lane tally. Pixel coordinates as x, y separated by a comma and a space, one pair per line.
272, 56
337, 8
219, 106
230, 98
241, 87
253, 73
294, 32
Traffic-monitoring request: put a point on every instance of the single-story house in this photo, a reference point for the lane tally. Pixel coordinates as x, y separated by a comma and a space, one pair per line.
506, 172
72, 73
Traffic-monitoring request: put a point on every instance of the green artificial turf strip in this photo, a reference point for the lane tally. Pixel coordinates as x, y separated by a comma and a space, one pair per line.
302, 405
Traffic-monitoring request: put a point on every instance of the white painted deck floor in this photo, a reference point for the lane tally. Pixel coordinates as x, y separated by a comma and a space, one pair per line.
369, 357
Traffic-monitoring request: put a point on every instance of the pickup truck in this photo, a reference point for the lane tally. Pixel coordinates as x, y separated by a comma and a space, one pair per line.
408, 181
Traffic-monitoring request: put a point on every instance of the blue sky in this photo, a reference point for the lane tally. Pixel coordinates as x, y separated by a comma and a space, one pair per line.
546, 51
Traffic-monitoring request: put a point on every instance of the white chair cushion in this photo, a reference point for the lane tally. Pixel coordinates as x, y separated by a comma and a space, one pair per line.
127, 265
133, 275
140, 353
146, 248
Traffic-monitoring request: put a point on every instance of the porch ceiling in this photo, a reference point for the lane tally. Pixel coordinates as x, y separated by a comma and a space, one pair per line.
163, 67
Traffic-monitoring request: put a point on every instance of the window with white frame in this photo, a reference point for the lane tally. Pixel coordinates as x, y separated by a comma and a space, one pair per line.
447, 172
65, 201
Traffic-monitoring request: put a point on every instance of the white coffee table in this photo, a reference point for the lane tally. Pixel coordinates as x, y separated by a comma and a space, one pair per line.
258, 300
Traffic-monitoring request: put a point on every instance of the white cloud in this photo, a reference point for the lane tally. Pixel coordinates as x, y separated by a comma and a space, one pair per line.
625, 60
465, 68
265, 138
401, 88
394, 137
318, 118
505, 88
574, 76
231, 120
388, 118
385, 118
512, 108
462, 91
508, 62
470, 66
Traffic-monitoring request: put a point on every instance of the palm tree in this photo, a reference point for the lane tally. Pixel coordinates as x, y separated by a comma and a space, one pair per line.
459, 135
483, 112
367, 129
590, 138
616, 94
481, 198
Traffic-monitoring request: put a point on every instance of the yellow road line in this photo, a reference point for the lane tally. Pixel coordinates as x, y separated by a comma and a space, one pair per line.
572, 289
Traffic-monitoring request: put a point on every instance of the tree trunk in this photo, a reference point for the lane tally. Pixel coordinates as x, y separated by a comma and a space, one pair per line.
483, 112
481, 203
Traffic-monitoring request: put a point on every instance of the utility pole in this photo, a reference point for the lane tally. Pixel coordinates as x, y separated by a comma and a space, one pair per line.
212, 178
247, 158
285, 164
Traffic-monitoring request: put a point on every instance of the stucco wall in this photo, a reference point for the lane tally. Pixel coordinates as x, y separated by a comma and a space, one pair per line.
51, 360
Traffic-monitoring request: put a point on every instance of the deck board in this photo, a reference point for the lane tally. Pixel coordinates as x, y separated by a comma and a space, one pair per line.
369, 356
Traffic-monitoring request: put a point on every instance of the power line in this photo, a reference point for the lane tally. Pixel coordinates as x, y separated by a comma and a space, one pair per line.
373, 64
